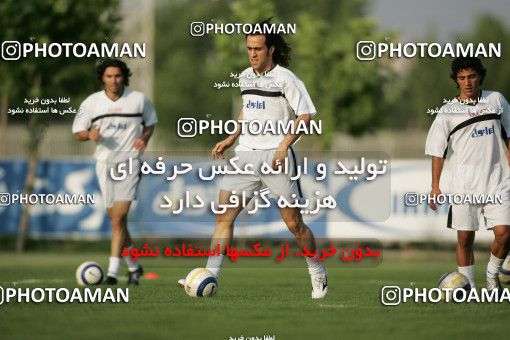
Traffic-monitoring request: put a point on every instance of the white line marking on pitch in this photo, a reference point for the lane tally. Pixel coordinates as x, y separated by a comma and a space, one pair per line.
32, 281
334, 306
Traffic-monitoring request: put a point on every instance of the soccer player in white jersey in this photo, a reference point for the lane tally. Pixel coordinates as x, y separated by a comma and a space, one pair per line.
269, 92
120, 121
473, 131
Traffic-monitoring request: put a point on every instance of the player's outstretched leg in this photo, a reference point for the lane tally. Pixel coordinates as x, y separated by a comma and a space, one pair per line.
222, 235
499, 250
465, 255
305, 238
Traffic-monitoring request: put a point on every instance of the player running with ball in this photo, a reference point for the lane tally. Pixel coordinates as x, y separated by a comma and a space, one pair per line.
270, 92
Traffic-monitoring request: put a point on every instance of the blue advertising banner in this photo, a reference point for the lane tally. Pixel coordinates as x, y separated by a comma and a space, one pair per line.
167, 207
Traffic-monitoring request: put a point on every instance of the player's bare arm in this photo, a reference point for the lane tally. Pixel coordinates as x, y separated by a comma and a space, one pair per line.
141, 143
290, 138
220, 147
92, 134
437, 169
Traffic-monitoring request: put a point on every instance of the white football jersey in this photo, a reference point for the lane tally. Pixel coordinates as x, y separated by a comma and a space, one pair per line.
120, 122
278, 95
472, 138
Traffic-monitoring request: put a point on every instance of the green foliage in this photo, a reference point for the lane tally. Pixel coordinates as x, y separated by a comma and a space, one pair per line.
489, 29
232, 50
347, 93
186, 69
428, 82
47, 21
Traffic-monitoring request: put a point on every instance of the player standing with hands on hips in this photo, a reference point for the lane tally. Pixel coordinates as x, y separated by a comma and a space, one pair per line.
270, 92
120, 121
474, 131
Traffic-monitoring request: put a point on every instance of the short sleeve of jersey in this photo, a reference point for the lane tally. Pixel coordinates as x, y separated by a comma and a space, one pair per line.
505, 115
297, 96
82, 120
149, 113
437, 138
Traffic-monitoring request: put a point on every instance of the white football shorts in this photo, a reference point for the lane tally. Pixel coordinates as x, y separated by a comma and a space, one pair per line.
470, 216
278, 185
123, 190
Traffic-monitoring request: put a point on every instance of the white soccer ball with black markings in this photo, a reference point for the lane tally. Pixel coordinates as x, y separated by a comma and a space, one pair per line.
454, 281
200, 283
89, 273
504, 272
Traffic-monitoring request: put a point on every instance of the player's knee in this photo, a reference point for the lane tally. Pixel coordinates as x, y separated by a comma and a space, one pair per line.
295, 226
503, 237
465, 241
224, 225
117, 221
224, 219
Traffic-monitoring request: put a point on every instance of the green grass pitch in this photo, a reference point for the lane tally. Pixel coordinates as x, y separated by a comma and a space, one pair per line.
252, 301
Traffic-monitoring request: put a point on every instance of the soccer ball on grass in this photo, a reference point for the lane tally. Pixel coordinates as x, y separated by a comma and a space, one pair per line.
455, 281
504, 272
200, 283
89, 273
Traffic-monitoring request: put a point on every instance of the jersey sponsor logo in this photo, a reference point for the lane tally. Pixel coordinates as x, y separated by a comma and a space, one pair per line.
485, 111
482, 132
115, 109
257, 104
118, 126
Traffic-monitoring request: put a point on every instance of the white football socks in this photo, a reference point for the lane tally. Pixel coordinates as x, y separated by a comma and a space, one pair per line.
132, 265
494, 266
113, 266
469, 272
214, 264
314, 266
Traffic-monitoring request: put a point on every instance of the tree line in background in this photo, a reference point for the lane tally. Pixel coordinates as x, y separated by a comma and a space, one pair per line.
47, 21
346, 93
427, 82
352, 97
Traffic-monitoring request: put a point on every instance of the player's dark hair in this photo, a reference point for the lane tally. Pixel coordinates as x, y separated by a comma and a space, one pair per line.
463, 63
282, 51
109, 62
